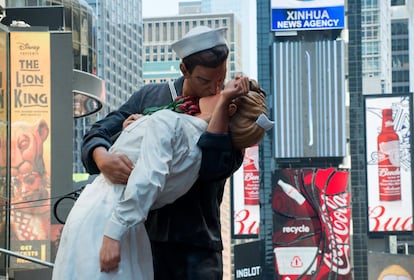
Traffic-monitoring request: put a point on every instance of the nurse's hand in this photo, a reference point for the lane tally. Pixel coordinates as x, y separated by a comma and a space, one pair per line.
110, 254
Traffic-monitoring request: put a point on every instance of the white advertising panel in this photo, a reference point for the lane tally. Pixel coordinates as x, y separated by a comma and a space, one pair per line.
245, 196
388, 158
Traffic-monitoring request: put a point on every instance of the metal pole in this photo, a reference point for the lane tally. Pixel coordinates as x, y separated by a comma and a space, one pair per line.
44, 263
393, 244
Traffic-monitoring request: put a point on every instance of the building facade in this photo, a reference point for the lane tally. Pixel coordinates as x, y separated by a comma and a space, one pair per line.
119, 45
118, 33
386, 29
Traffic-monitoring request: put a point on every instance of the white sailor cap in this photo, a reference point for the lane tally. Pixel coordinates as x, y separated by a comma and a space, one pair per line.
198, 39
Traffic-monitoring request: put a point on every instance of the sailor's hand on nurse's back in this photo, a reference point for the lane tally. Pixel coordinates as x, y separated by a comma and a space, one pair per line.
130, 120
115, 167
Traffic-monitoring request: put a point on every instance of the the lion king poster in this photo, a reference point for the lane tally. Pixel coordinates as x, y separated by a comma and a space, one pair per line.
30, 92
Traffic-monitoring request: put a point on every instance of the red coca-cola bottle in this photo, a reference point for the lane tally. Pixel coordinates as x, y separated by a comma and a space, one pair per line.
389, 179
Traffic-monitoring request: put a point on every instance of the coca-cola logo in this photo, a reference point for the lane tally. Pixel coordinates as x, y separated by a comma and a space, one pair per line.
335, 209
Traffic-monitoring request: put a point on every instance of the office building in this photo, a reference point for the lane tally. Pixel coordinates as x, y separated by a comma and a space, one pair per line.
386, 29
119, 55
119, 43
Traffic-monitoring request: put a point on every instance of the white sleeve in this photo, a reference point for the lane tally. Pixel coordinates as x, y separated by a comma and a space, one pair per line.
147, 179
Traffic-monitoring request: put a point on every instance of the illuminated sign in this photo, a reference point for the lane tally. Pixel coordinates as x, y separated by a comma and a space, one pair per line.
307, 15
246, 202
388, 158
30, 144
311, 224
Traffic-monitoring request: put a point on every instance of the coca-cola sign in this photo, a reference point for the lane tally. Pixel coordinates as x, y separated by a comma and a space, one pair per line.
311, 224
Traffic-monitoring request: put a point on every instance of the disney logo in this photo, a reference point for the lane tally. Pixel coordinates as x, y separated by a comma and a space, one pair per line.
27, 46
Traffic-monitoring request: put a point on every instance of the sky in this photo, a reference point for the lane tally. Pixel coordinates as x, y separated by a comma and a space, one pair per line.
155, 8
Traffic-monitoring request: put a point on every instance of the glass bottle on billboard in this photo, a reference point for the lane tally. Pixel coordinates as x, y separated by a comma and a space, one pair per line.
251, 176
389, 178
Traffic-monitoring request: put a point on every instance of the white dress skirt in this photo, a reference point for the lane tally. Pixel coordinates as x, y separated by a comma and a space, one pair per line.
84, 230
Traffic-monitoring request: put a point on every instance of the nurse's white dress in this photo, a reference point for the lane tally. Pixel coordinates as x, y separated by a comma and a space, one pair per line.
164, 148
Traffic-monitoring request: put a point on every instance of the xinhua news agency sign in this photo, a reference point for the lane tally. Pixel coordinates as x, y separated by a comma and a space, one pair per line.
289, 15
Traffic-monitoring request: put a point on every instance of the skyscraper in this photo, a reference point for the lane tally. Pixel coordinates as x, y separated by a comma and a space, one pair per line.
119, 57
385, 42
119, 44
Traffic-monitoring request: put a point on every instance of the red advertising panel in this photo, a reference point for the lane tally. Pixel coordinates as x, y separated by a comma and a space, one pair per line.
311, 224
246, 201
388, 153
30, 145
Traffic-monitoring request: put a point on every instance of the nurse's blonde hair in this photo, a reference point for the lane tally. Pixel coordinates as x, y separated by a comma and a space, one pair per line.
244, 130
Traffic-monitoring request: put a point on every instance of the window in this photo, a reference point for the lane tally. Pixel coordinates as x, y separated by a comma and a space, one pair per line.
397, 2
164, 31
399, 27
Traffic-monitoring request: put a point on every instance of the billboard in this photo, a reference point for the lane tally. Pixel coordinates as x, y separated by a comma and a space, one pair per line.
311, 224
4, 42
383, 266
50, 16
388, 130
248, 260
30, 91
309, 100
289, 15
245, 196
